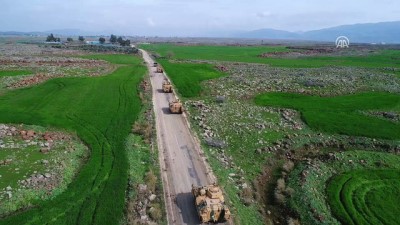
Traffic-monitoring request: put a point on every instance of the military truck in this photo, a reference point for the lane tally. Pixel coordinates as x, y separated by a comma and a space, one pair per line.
210, 204
166, 86
159, 69
176, 107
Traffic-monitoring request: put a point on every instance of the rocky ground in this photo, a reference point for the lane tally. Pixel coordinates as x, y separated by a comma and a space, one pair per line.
305, 51
246, 80
45, 63
35, 164
244, 138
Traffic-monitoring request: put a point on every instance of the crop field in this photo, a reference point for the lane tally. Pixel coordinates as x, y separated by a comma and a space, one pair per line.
220, 53
4, 73
347, 188
356, 197
279, 130
101, 111
188, 76
250, 54
341, 114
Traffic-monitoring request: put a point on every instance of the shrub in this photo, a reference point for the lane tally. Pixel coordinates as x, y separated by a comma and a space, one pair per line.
143, 129
155, 212
151, 181
288, 166
289, 191
279, 197
280, 185
292, 221
247, 196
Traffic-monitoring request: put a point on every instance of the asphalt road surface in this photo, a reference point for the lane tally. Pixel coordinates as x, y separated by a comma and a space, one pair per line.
182, 161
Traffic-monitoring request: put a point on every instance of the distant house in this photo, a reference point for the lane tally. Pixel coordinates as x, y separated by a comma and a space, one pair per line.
93, 42
53, 42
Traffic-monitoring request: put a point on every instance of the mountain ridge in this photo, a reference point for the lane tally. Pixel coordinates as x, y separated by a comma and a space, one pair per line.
387, 32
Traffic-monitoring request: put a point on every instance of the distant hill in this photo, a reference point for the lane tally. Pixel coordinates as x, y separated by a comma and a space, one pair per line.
388, 32
59, 32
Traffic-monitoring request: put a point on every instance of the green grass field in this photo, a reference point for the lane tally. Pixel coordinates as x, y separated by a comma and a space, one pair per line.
101, 111
249, 54
347, 190
11, 73
366, 197
188, 76
220, 53
341, 114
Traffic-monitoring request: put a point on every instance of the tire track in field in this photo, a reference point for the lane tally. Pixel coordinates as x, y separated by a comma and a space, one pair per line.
103, 142
122, 106
47, 98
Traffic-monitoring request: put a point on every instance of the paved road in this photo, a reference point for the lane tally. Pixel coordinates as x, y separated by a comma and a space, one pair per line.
181, 159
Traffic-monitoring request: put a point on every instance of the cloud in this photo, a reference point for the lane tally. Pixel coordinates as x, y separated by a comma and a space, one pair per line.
187, 17
264, 14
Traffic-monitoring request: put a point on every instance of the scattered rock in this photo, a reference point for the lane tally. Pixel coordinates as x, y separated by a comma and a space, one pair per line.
152, 197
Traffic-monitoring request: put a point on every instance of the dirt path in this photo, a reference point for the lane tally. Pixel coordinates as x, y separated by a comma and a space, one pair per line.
181, 159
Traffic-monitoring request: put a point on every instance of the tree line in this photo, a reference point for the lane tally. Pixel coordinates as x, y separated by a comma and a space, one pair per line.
113, 40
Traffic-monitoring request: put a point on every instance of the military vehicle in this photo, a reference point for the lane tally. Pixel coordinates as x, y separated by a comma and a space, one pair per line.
176, 107
159, 69
210, 204
166, 86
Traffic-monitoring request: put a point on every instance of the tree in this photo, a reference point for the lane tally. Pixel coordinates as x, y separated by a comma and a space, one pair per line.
113, 39
81, 38
170, 54
70, 39
102, 40
51, 38
120, 40
125, 43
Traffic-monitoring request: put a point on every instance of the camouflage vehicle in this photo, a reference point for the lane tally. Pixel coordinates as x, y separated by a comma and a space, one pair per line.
210, 204
159, 69
176, 107
166, 86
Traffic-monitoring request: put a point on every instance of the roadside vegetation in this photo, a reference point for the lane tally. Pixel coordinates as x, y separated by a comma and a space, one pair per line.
145, 201
100, 110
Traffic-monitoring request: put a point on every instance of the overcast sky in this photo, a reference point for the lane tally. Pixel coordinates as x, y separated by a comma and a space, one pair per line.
190, 17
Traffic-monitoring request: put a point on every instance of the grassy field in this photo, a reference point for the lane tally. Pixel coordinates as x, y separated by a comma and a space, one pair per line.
366, 197
220, 53
348, 189
10, 73
341, 114
387, 58
188, 76
100, 110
